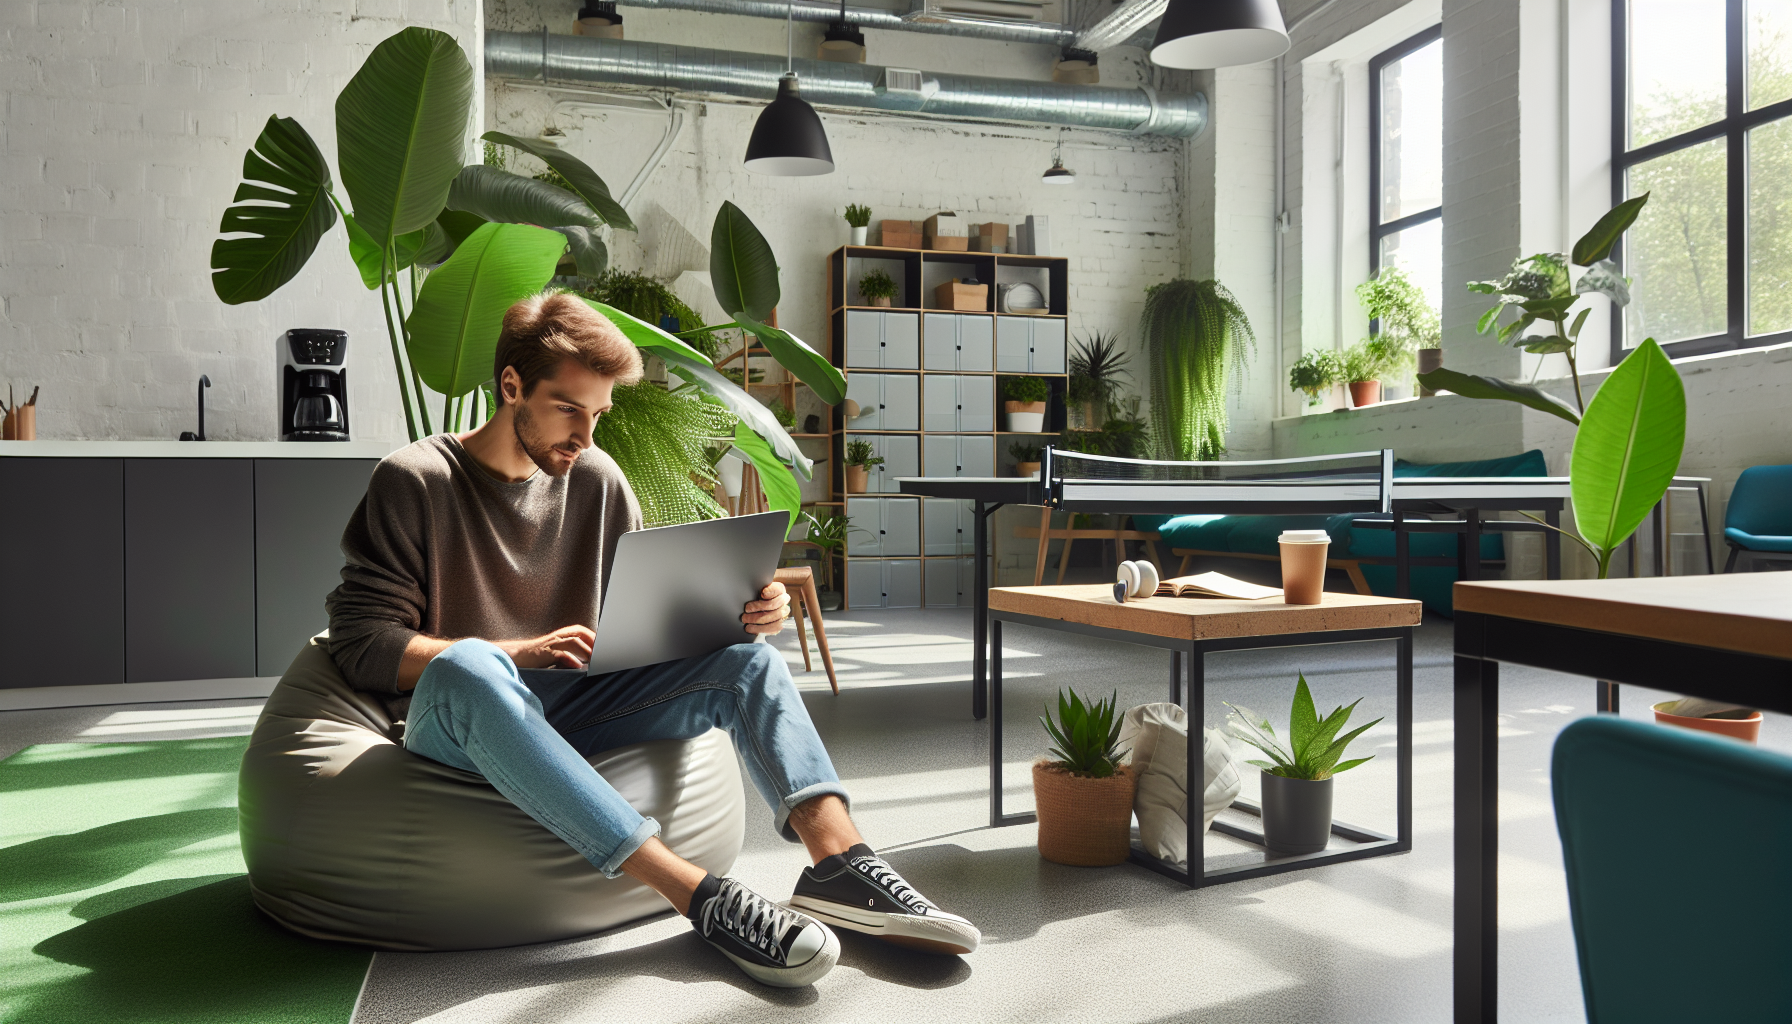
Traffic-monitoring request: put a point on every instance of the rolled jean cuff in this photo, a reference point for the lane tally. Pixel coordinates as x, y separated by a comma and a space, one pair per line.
643, 832
804, 795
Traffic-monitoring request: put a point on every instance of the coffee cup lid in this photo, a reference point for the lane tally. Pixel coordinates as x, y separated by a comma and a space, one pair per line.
1305, 537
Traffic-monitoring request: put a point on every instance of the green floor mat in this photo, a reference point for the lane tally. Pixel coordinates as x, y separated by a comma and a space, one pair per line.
123, 898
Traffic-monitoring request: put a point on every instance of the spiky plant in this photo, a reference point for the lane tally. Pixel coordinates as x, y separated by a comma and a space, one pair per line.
1313, 745
661, 440
1096, 365
1193, 331
1087, 734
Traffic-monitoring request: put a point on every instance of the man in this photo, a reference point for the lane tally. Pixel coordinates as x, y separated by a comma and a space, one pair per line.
475, 567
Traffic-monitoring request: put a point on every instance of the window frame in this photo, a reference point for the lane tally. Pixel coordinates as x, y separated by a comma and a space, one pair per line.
1377, 229
1733, 127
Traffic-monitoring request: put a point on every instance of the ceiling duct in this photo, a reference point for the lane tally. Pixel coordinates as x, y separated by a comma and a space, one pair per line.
875, 17
1124, 22
689, 69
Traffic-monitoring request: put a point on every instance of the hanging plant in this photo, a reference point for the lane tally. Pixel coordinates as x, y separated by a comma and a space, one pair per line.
1193, 331
661, 439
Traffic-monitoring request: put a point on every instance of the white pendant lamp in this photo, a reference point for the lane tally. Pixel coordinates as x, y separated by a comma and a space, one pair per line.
788, 139
1219, 34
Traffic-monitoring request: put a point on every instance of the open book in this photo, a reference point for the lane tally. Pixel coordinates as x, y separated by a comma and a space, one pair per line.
1215, 584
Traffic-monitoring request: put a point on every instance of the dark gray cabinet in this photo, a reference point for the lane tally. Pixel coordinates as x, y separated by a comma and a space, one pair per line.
61, 572
301, 507
189, 569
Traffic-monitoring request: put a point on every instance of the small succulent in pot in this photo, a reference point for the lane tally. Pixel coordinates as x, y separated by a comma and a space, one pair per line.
1084, 797
877, 286
860, 457
1026, 458
1297, 791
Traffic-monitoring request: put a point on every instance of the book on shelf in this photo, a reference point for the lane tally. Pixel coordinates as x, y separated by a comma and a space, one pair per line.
1215, 584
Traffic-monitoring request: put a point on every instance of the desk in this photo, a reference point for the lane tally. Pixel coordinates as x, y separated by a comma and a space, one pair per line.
1190, 628
1722, 637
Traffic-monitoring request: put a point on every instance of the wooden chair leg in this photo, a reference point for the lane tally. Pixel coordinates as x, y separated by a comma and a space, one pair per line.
1182, 570
1119, 550
1355, 571
802, 640
1064, 558
1156, 562
1045, 543
821, 633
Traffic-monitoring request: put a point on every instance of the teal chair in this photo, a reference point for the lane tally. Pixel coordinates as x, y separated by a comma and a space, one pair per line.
1758, 520
1678, 847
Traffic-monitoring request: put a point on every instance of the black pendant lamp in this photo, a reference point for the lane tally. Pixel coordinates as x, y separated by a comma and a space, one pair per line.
788, 140
1219, 33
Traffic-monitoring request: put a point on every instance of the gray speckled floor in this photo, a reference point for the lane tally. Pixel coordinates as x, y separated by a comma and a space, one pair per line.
1364, 941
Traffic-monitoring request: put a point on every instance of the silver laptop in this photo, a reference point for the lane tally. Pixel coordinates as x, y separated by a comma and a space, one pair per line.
676, 592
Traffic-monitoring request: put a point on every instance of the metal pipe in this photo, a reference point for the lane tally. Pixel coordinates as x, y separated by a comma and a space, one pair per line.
588, 59
869, 17
1121, 24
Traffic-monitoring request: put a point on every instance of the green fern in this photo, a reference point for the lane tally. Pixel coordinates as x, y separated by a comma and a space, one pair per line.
644, 298
661, 438
1193, 332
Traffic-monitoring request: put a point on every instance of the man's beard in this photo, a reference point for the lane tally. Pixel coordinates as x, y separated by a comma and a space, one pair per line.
540, 451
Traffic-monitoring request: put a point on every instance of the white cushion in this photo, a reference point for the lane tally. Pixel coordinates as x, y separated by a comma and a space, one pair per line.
1157, 735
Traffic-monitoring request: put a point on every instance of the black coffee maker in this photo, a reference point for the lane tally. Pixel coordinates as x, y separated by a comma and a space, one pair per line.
313, 384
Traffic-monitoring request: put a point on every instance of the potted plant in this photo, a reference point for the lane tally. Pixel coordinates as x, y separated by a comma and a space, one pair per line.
1192, 333
859, 218
877, 286
1096, 366
1315, 374
1025, 403
1407, 325
1363, 364
1297, 780
828, 534
1084, 798
860, 457
1026, 458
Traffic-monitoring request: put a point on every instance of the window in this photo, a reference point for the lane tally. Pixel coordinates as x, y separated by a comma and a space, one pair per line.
1406, 160
1702, 96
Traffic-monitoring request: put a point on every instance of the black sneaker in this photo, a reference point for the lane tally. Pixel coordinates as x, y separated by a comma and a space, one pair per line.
859, 890
773, 944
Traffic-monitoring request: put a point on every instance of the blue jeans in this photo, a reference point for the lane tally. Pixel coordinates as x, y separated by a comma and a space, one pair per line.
530, 732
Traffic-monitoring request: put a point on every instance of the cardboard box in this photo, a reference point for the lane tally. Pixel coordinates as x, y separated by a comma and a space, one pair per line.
945, 224
946, 243
984, 243
997, 233
965, 298
899, 234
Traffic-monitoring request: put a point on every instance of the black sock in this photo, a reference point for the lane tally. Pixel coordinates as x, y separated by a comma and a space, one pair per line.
706, 891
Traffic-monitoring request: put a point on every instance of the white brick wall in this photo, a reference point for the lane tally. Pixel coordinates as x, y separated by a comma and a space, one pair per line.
121, 144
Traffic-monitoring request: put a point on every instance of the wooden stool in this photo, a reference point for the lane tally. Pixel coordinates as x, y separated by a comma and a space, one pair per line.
800, 582
1046, 535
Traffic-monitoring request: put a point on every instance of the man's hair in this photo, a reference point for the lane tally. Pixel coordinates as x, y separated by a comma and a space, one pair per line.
541, 331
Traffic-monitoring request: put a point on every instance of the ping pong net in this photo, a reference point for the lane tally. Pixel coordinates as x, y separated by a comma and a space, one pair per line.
1322, 484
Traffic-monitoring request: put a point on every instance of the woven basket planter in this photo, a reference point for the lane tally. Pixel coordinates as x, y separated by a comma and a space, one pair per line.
1083, 822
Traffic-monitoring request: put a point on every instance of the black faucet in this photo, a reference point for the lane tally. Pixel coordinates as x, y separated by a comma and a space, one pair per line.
188, 435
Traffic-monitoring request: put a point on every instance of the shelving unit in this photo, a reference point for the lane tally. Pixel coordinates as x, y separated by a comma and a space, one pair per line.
917, 552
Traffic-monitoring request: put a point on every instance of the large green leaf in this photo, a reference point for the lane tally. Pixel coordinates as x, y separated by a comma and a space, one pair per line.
808, 365
692, 366
513, 199
589, 253
742, 269
285, 220
460, 311
401, 126
782, 491
1474, 386
1628, 447
577, 173
1597, 243
367, 256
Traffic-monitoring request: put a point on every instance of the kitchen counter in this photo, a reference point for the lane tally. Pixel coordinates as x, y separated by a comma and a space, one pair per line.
199, 449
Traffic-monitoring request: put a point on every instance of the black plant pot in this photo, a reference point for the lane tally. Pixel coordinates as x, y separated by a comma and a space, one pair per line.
1297, 814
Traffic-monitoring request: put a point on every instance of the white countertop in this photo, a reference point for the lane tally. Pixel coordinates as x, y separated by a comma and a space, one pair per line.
199, 449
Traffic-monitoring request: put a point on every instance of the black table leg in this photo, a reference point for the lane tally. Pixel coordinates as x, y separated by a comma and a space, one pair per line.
1402, 741
1659, 520
1469, 555
1193, 698
1176, 677
1552, 546
1605, 696
980, 616
1476, 897
1402, 557
996, 818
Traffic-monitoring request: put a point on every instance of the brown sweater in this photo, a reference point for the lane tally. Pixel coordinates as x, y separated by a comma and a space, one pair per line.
440, 547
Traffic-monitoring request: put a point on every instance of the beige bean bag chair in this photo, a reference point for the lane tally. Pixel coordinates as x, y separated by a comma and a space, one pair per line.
350, 837
1157, 735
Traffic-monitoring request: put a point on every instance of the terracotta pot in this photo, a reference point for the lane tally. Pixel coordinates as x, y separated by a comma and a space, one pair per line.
1748, 730
1364, 392
1026, 469
857, 479
1297, 814
881, 300
1013, 407
1083, 822
1025, 417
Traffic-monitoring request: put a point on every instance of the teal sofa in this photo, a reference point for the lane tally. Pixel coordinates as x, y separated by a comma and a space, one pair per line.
1256, 535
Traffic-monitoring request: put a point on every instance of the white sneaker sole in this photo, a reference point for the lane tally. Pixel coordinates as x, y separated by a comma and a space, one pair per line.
947, 935
800, 976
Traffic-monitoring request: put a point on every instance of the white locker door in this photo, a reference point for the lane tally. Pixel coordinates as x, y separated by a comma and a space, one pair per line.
967, 582
976, 455
864, 338
901, 401
902, 527
866, 535
940, 527
867, 390
942, 454
941, 411
967, 527
902, 457
902, 341
939, 577
1048, 346
1014, 336
902, 583
865, 583
976, 344
939, 341
976, 403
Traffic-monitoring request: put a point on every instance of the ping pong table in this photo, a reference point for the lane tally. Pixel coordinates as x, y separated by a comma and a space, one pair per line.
1361, 482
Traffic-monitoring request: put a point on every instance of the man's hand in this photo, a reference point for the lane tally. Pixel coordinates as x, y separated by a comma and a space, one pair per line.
566, 647
767, 614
